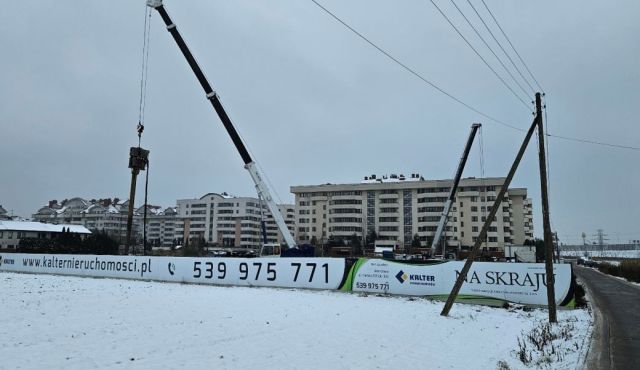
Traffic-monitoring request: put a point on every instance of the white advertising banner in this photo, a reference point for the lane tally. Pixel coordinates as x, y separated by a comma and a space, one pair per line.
314, 273
513, 282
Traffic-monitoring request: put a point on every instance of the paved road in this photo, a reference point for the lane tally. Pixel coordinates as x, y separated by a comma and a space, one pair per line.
616, 343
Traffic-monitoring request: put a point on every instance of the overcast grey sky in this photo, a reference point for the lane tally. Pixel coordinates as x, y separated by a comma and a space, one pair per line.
314, 103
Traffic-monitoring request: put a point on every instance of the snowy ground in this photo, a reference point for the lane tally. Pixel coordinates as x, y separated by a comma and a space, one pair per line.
56, 322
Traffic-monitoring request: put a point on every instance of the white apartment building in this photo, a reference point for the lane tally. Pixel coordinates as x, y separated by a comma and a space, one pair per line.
228, 221
396, 208
102, 215
161, 226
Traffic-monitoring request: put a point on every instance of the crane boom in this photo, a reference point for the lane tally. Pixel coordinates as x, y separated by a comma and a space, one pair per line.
454, 188
214, 99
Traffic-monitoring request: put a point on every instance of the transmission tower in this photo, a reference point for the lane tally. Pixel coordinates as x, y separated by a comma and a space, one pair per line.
602, 238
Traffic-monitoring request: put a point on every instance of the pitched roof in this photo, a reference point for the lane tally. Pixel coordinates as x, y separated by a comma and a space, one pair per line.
41, 227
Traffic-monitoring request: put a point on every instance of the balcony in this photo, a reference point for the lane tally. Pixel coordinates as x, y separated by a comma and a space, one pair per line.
467, 194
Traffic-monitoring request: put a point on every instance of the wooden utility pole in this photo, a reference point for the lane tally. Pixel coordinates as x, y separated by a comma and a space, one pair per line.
483, 233
548, 238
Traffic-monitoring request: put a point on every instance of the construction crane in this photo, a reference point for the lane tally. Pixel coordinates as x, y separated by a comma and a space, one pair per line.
261, 186
452, 192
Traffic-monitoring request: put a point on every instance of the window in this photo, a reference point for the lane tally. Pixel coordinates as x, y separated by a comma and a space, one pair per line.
474, 209
474, 218
387, 219
430, 209
388, 228
461, 204
343, 201
474, 229
493, 239
424, 219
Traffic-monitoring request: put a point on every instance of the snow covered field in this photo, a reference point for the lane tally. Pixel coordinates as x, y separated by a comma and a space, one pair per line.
57, 322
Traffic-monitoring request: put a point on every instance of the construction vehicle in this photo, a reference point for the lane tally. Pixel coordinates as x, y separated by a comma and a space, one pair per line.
263, 190
452, 194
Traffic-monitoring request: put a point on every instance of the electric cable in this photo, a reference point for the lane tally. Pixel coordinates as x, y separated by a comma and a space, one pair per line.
587, 141
501, 47
414, 72
479, 55
513, 47
454, 98
489, 47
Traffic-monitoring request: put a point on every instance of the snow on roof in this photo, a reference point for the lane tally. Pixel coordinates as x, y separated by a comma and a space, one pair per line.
41, 227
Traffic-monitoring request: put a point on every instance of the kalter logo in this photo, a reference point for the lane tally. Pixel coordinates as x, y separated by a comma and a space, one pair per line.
416, 279
402, 277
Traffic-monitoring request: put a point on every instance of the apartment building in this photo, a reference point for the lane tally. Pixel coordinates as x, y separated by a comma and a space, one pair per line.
161, 226
396, 208
229, 221
105, 215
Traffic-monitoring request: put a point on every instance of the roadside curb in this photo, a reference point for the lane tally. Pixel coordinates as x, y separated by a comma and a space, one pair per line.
598, 343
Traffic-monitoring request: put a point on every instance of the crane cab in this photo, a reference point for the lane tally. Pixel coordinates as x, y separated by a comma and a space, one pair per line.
270, 250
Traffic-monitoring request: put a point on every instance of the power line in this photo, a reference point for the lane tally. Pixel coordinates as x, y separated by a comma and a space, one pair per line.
413, 72
480, 56
501, 48
457, 100
587, 141
513, 47
489, 47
